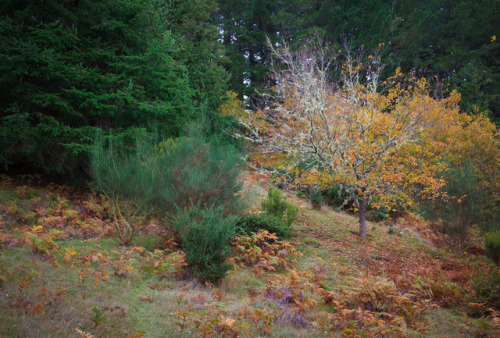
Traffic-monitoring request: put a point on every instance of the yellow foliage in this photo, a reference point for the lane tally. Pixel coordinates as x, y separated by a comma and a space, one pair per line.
380, 144
233, 106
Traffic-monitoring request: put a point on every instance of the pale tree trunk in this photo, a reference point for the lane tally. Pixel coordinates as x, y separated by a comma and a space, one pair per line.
362, 205
362, 218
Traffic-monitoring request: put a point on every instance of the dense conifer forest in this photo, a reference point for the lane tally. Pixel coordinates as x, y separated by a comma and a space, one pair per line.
70, 68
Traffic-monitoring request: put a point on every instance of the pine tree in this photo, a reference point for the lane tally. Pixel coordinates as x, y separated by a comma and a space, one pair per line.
69, 68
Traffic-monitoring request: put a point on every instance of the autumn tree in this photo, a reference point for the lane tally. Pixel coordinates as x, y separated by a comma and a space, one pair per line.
470, 144
365, 139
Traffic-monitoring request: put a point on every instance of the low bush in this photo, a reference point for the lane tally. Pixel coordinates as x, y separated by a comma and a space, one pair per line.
464, 206
378, 214
316, 198
128, 177
337, 197
340, 199
492, 243
252, 223
277, 206
157, 177
487, 289
206, 235
195, 170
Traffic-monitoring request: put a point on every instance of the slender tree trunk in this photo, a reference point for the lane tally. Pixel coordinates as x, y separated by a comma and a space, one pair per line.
362, 218
361, 204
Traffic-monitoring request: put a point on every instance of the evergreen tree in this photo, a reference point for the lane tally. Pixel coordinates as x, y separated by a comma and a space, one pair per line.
245, 25
455, 42
450, 41
68, 68
202, 52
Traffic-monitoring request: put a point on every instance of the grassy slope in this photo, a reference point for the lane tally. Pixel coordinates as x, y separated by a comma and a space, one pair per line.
100, 288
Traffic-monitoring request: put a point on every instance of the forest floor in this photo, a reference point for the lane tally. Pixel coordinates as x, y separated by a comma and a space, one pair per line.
62, 273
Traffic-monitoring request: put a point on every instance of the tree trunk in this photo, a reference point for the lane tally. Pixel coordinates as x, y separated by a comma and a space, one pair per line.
362, 218
361, 204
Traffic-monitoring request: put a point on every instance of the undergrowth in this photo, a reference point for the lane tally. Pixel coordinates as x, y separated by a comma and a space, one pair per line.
63, 271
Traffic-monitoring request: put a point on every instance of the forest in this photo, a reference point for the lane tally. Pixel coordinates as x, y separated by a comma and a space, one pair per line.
249, 168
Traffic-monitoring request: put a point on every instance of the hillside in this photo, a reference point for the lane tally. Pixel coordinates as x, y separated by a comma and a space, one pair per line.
62, 273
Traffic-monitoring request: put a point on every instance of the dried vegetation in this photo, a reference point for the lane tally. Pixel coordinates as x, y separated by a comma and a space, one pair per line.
62, 271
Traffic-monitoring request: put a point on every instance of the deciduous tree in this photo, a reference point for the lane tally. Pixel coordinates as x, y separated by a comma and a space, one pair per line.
366, 140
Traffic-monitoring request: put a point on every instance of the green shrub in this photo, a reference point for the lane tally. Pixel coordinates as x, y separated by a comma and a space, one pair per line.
378, 214
205, 234
487, 289
153, 177
463, 208
197, 171
492, 243
277, 206
316, 198
252, 223
336, 197
128, 176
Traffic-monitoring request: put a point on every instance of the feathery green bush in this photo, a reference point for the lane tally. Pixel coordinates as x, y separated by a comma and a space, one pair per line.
128, 176
150, 177
277, 206
205, 233
196, 171
463, 208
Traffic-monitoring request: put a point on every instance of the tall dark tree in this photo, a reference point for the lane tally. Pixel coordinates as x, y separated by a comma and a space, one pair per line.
450, 41
69, 67
455, 41
245, 25
202, 52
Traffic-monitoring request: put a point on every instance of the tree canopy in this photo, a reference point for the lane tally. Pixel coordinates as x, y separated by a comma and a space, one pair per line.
380, 146
449, 41
69, 68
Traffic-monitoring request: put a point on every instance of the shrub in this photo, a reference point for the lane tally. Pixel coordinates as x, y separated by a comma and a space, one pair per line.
277, 206
160, 177
252, 223
197, 171
316, 198
128, 177
378, 214
487, 289
463, 208
337, 197
205, 234
492, 243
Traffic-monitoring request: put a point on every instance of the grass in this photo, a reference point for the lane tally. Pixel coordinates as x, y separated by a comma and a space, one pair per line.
89, 284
